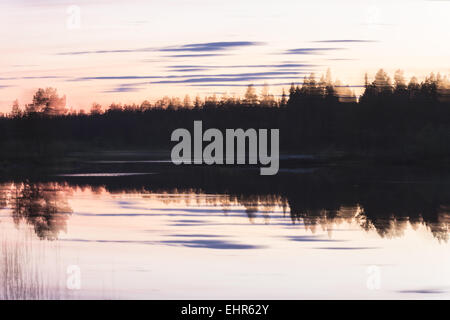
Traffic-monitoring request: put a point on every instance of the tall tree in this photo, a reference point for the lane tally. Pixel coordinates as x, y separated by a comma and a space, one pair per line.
251, 98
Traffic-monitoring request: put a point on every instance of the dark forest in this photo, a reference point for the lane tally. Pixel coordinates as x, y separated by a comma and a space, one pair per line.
393, 120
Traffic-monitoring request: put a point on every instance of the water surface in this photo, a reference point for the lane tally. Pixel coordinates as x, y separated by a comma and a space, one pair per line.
307, 234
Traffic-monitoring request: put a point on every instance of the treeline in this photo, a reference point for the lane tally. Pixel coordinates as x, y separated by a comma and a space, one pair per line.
393, 119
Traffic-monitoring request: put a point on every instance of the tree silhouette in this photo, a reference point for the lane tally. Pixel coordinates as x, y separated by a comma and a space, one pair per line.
250, 97
392, 120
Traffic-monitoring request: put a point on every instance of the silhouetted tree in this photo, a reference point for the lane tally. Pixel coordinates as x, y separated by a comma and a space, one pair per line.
47, 102
251, 98
96, 109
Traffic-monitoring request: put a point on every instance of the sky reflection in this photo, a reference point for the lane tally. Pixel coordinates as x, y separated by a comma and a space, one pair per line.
125, 251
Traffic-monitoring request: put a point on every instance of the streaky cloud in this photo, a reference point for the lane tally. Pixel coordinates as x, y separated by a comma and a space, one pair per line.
221, 79
126, 87
122, 89
116, 78
211, 46
32, 78
187, 68
201, 55
268, 73
75, 53
310, 50
228, 75
193, 47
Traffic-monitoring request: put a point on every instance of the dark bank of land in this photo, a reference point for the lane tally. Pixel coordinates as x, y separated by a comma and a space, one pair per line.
393, 122
382, 198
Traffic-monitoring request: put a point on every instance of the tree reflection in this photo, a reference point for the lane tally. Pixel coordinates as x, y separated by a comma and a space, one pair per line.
387, 200
384, 200
42, 205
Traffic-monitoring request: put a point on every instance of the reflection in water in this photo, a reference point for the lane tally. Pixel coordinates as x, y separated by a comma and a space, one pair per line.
386, 208
129, 234
42, 205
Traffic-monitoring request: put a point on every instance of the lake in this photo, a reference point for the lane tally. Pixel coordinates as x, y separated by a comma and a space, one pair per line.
146, 230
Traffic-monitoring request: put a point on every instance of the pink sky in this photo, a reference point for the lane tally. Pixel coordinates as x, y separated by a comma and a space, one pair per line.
110, 51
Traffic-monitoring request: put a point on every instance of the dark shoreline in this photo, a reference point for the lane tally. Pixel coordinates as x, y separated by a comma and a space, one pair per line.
135, 159
390, 196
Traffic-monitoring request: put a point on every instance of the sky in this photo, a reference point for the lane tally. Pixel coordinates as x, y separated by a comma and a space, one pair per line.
108, 51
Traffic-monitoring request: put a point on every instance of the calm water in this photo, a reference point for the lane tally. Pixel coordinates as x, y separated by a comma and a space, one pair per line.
309, 233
